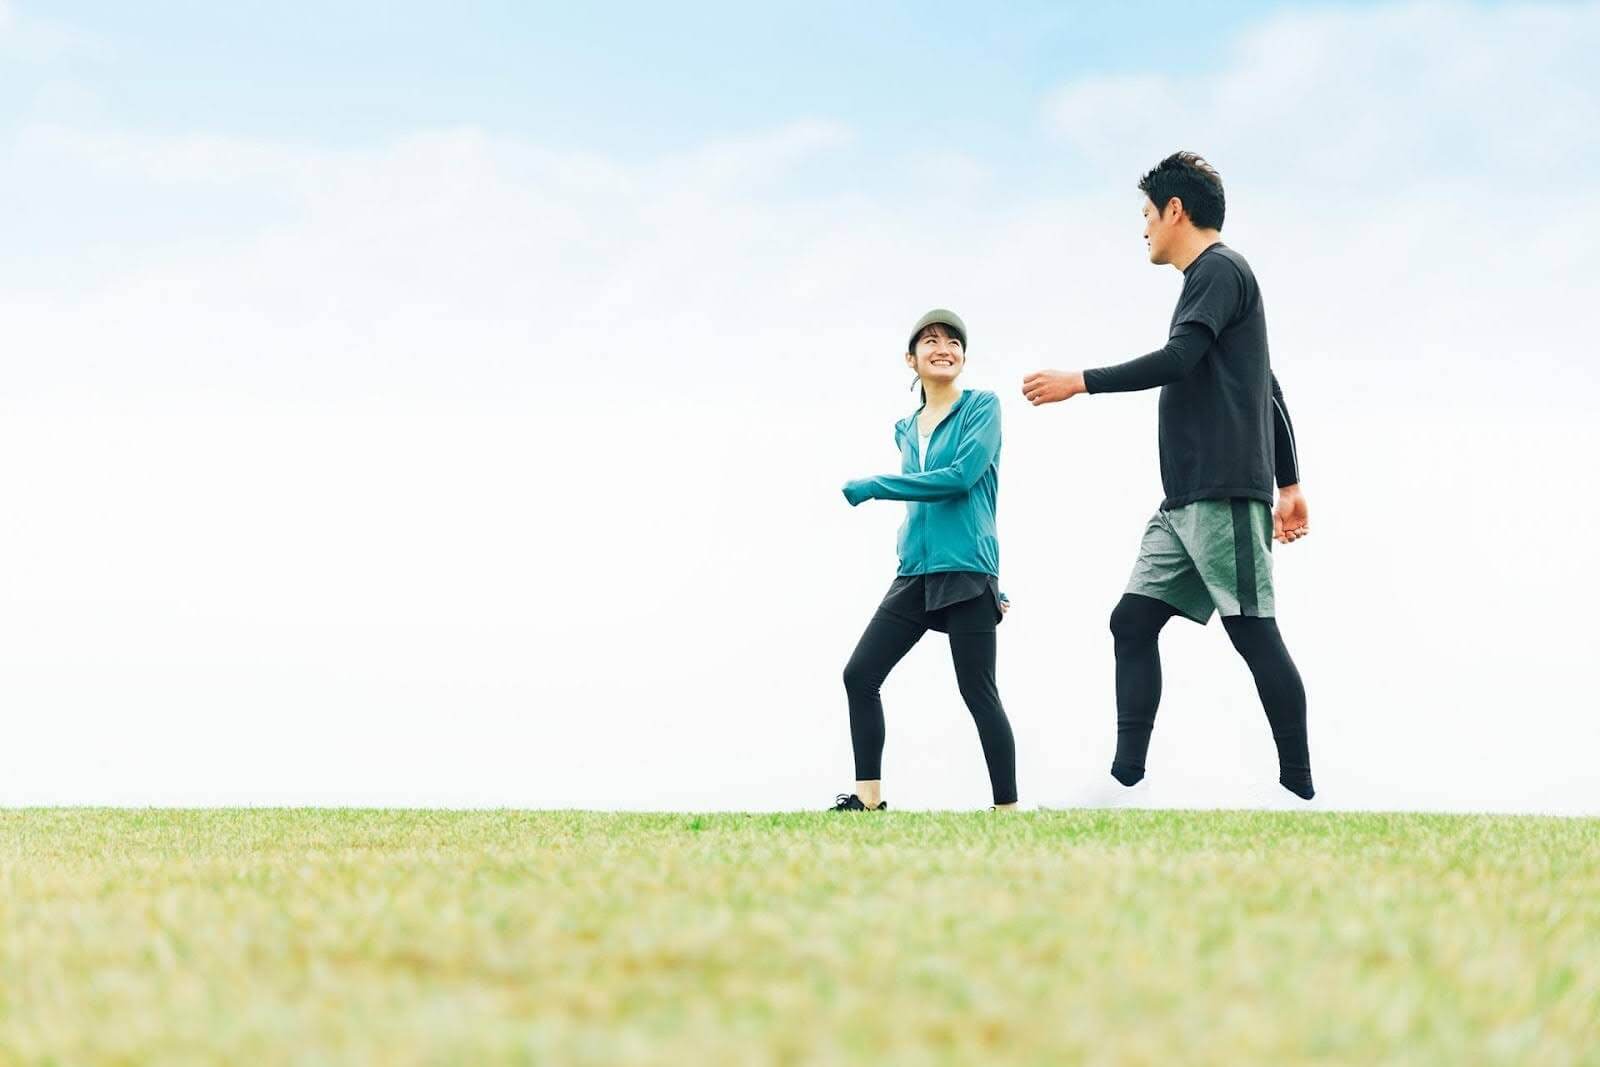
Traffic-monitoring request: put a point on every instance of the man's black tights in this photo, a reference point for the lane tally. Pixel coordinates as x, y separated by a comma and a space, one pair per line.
1135, 626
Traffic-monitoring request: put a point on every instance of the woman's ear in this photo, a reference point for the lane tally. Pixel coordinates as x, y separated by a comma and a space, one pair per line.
911, 361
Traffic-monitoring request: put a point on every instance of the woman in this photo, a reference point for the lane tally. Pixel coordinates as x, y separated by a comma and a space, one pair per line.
949, 559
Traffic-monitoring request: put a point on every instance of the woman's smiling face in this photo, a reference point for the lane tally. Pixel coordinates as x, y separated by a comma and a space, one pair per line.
938, 354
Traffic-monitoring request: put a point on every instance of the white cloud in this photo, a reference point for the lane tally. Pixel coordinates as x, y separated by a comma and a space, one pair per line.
460, 470
1393, 96
194, 159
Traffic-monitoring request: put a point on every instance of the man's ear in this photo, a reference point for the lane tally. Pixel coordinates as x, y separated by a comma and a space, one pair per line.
1173, 212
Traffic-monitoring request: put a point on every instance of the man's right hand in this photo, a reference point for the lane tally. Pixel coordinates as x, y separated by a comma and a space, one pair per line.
1050, 386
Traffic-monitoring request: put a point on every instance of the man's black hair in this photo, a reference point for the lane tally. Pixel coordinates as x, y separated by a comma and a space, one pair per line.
1192, 180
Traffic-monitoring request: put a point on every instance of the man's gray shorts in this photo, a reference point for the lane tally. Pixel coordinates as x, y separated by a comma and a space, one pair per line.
1211, 555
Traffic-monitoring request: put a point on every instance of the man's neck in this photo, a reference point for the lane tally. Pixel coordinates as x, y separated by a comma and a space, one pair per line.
942, 394
1193, 243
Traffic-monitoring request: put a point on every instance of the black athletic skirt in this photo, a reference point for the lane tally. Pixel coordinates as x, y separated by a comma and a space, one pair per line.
954, 602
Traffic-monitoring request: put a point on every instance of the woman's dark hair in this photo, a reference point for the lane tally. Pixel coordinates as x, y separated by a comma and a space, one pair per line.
949, 331
935, 327
1192, 180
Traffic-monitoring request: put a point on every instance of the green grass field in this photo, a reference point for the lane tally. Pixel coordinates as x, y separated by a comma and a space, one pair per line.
414, 937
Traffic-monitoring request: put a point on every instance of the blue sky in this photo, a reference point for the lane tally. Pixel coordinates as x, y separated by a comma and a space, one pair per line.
914, 88
628, 80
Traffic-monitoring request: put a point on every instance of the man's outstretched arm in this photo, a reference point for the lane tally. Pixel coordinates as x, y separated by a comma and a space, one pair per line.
1172, 361
1169, 363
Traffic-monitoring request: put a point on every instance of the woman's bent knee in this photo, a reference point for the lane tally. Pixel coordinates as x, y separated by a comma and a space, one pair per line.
860, 678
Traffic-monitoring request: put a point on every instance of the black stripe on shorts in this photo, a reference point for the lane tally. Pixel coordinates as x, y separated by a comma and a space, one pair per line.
1244, 557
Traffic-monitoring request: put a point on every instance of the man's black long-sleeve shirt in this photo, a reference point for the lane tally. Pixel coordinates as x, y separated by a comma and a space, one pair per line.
1224, 429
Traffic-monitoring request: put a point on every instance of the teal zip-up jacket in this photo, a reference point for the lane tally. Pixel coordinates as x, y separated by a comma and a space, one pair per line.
950, 500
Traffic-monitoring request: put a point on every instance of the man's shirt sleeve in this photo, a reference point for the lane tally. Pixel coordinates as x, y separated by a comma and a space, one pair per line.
1213, 295
1184, 349
1286, 458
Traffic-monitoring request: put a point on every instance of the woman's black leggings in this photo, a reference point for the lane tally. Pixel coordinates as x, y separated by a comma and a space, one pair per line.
886, 641
1136, 623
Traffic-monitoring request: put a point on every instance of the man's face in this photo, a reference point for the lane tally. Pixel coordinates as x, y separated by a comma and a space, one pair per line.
938, 355
1159, 228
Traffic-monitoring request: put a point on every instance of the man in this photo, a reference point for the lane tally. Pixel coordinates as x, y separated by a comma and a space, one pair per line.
1225, 438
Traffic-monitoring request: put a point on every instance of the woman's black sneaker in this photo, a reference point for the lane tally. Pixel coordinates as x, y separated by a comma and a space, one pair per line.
851, 802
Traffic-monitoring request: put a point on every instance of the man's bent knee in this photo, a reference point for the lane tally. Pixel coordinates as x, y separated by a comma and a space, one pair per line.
1137, 619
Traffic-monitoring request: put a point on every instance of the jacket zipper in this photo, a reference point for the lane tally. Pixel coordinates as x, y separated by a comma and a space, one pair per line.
922, 460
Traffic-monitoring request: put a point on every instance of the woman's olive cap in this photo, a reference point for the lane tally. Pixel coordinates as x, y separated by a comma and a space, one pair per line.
944, 317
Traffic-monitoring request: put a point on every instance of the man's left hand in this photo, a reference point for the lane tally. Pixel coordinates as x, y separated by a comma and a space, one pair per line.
1290, 519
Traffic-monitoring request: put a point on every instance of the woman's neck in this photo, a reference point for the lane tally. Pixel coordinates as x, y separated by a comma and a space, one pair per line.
941, 394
